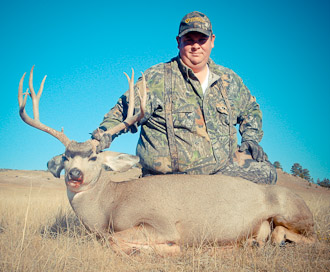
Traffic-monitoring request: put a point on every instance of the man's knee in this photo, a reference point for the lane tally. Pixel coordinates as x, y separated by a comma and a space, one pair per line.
257, 172
267, 173
272, 174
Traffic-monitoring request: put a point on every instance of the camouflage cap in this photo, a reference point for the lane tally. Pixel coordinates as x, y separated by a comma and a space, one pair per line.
195, 21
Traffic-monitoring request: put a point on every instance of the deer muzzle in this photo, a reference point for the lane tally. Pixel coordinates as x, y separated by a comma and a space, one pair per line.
75, 177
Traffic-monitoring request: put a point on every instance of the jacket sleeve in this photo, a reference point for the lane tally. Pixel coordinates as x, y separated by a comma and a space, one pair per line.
250, 116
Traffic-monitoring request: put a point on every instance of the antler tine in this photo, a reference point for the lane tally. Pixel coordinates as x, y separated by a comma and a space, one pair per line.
35, 101
131, 94
143, 98
130, 119
21, 100
35, 98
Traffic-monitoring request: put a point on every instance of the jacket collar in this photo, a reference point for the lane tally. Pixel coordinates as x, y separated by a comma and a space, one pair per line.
188, 72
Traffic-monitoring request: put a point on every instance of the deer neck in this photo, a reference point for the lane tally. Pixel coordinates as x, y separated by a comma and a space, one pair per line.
90, 205
101, 188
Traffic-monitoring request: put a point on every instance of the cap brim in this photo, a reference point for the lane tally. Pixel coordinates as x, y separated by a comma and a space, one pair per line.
203, 31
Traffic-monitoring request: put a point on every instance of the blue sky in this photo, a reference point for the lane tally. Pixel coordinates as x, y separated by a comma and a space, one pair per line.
281, 50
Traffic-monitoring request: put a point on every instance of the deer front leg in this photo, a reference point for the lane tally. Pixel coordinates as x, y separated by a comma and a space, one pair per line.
263, 233
261, 236
142, 237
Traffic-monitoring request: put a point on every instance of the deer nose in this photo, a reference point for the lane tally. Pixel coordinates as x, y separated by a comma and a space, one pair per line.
75, 174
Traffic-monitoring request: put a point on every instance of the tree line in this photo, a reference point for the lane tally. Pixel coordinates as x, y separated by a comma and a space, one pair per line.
298, 171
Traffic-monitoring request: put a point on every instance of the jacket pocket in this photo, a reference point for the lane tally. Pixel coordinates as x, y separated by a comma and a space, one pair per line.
184, 117
223, 114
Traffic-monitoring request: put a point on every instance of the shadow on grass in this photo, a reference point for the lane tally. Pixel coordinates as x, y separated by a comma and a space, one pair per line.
64, 223
2, 226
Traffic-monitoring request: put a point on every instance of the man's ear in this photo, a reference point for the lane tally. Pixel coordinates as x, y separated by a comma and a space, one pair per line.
212, 40
178, 41
56, 165
118, 161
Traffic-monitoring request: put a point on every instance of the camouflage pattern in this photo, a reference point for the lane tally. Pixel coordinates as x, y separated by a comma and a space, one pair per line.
201, 122
195, 21
242, 165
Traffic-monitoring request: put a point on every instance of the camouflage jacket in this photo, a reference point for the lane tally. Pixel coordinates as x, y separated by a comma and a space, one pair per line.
201, 121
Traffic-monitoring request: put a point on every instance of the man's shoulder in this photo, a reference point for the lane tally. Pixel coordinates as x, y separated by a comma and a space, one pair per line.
224, 72
156, 72
157, 69
155, 79
219, 69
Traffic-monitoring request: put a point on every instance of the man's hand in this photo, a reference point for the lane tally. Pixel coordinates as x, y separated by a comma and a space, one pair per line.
255, 149
104, 139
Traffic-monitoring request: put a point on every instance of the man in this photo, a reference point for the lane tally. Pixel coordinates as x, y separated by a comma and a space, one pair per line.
192, 108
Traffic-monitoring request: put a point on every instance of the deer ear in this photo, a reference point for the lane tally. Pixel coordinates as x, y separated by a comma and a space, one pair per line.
56, 165
119, 161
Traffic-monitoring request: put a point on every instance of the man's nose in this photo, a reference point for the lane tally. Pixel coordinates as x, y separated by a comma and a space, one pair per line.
196, 44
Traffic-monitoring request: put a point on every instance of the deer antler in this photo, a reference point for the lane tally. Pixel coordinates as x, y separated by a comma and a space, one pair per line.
131, 119
35, 122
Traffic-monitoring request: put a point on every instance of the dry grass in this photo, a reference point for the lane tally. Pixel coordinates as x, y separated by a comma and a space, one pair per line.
39, 232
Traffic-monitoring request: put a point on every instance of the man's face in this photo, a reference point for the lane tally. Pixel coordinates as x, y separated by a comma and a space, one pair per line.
195, 49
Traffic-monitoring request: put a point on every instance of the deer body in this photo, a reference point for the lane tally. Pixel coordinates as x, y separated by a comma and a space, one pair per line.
164, 212
185, 209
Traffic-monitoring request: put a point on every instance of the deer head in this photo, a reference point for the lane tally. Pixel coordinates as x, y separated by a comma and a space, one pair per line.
83, 166
81, 162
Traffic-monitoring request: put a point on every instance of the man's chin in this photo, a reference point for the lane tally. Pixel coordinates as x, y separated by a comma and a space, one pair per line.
193, 63
196, 65
196, 60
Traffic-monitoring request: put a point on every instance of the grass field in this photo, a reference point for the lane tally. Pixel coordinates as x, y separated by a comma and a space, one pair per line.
39, 232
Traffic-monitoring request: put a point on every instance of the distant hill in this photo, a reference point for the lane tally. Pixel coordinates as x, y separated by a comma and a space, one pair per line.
45, 179
301, 186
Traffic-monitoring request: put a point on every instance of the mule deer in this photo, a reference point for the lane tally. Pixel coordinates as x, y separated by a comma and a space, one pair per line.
167, 211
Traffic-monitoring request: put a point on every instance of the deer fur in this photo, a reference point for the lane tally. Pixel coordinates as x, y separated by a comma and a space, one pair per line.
164, 212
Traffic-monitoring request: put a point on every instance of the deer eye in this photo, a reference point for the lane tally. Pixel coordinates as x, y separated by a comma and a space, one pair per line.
93, 158
64, 158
